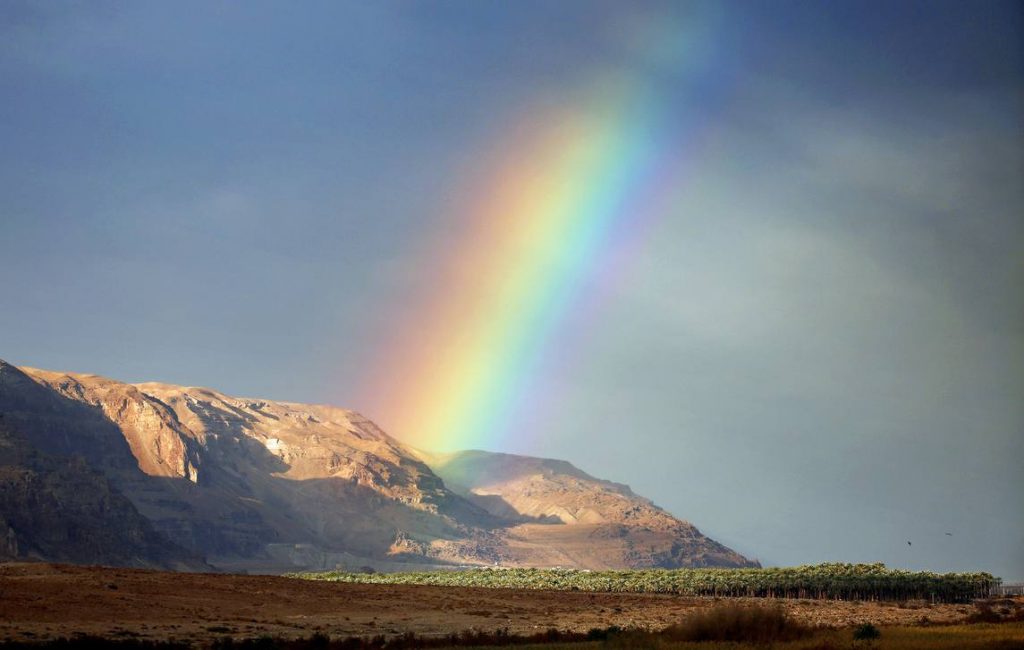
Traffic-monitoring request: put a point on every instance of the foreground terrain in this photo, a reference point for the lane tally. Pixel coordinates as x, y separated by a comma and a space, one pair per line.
44, 601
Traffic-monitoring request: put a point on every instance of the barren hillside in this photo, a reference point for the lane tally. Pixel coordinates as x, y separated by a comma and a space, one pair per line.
260, 485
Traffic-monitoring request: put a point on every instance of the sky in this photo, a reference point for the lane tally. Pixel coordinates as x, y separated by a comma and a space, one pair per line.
801, 327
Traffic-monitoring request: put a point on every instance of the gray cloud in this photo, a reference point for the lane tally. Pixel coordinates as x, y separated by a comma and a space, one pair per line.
822, 352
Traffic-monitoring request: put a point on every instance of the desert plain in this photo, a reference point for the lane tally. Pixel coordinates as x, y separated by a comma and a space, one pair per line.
41, 601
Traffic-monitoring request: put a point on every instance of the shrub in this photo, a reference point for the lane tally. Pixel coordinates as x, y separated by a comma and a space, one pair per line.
985, 614
736, 623
866, 632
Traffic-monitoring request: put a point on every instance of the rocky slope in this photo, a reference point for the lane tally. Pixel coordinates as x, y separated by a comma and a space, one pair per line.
253, 484
558, 502
59, 509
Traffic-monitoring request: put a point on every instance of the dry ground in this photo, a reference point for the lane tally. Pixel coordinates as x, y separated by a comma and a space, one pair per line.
39, 601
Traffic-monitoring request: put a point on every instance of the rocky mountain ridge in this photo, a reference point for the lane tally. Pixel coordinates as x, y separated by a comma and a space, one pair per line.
262, 485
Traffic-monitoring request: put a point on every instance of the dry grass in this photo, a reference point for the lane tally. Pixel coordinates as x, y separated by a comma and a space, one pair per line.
752, 628
1005, 636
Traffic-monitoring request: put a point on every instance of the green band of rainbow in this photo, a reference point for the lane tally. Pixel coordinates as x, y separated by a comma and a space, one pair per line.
536, 228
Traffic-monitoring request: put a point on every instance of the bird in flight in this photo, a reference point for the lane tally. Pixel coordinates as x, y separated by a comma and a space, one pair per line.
949, 534
909, 544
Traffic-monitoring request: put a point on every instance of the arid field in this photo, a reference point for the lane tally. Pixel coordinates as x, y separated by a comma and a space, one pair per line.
46, 601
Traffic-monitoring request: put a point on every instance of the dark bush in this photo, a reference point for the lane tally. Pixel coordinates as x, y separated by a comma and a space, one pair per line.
984, 614
866, 632
737, 623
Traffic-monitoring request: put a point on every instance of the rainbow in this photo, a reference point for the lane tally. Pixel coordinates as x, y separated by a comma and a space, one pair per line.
539, 221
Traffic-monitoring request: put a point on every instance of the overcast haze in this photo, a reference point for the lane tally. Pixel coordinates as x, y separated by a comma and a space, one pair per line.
816, 355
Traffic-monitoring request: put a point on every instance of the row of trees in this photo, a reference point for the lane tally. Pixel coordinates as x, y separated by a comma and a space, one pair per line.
824, 581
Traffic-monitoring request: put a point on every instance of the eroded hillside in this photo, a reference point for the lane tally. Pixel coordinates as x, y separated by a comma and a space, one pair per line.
253, 484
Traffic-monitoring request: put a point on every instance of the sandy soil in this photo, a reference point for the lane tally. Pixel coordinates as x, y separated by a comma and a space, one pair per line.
40, 601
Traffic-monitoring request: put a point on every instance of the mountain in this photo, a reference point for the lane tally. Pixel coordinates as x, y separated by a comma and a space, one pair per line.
582, 520
196, 478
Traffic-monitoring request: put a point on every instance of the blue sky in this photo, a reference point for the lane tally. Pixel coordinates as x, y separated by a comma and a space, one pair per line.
818, 354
